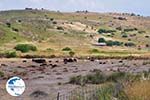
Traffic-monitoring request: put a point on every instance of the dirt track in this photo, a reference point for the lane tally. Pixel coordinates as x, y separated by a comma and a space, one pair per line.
52, 76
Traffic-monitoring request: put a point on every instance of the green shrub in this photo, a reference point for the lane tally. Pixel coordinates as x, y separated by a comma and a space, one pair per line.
94, 51
54, 22
66, 49
130, 29
101, 40
119, 28
113, 43
15, 29
124, 35
109, 43
10, 54
1, 74
25, 47
60, 28
141, 32
117, 43
52, 19
129, 44
8, 24
71, 53
105, 31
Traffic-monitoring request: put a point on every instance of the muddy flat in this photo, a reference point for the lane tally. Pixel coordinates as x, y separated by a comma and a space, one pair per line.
52, 75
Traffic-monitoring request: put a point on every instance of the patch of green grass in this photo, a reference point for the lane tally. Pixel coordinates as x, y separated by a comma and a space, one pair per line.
71, 53
25, 48
11, 54
94, 51
1, 74
110, 91
8, 54
9, 36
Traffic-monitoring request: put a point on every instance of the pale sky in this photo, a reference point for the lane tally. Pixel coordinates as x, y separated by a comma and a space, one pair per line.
136, 6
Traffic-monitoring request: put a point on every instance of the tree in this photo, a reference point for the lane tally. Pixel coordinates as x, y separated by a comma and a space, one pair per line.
101, 40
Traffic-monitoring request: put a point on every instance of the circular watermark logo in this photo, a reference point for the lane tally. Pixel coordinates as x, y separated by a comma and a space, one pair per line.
15, 86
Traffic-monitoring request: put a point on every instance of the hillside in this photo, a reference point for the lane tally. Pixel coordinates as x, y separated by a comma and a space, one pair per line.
50, 32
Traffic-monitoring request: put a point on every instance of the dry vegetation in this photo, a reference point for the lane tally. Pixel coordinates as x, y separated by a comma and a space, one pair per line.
83, 45
138, 90
124, 34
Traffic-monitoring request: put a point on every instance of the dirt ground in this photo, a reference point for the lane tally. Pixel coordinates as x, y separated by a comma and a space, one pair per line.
52, 76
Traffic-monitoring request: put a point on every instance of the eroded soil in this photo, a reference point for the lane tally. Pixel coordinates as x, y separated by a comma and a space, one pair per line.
52, 76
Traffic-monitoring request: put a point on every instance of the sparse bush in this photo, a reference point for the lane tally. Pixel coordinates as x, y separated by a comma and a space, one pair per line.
147, 36
79, 80
113, 43
117, 43
8, 24
66, 49
51, 19
147, 45
11, 54
96, 78
121, 18
133, 14
119, 28
25, 47
101, 40
15, 29
146, 62
124, 35
71, 53
49, 49
99, 77
129, 39
54, 22
1, 74
141, 32
110, 42
129, 44
19, 21
60, 28
105, 31
95, 51
130, 29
